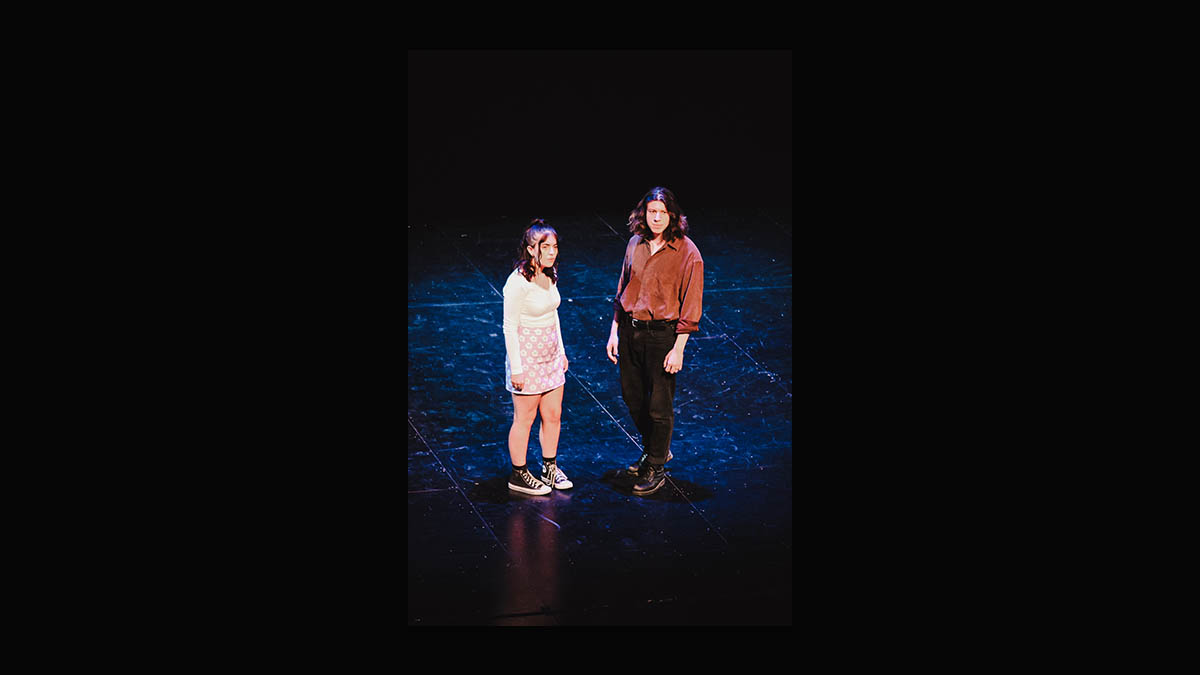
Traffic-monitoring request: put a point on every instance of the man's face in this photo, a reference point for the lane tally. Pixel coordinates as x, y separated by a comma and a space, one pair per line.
657, 218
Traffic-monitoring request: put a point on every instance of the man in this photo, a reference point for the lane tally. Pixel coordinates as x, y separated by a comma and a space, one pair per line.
658, 305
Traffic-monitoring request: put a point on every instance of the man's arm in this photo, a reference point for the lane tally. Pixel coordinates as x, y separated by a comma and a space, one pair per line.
690, 310
610, 349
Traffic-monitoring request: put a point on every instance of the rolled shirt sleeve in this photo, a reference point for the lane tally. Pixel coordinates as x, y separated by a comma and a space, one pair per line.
691, 294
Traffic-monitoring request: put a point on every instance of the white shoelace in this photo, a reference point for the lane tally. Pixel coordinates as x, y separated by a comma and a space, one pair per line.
556, 475
530, 480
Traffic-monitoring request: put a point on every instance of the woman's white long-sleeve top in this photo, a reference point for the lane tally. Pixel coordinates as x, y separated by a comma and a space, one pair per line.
527, 304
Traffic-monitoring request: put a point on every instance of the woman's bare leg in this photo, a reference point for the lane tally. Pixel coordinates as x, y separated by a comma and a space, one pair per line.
525, 407
550, 408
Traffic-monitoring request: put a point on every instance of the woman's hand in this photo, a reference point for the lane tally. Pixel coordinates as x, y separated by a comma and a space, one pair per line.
518, 381
564, 363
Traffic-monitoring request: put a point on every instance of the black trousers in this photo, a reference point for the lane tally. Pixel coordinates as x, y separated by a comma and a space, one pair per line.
648, 390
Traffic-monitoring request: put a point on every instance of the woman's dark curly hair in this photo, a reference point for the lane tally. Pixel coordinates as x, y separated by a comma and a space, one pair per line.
534, 235
678, 225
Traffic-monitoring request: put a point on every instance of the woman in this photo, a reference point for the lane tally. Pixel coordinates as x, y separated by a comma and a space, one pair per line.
535, 363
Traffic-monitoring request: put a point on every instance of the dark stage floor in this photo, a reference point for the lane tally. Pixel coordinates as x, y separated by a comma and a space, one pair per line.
712, 547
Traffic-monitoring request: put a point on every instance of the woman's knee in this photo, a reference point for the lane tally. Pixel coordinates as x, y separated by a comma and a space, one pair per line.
551, 414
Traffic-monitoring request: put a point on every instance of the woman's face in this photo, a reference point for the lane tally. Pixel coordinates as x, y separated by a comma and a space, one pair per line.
657, 218
546, 252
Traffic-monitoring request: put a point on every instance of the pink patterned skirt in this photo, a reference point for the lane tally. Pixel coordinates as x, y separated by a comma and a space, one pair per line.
541, 359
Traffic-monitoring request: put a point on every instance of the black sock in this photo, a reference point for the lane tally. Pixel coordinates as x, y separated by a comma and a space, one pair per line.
518, 469
548, 460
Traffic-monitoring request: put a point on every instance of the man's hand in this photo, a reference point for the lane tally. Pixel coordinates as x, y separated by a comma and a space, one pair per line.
612, 348
673, 363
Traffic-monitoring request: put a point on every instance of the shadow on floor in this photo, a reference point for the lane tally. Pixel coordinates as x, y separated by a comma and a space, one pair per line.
675, 489
495, 491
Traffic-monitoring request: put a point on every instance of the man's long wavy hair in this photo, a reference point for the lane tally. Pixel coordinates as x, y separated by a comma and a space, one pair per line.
534, 235
678, 226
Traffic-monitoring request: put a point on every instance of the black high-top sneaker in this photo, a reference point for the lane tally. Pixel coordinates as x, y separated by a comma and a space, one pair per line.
523, 481
650, 479
636, 468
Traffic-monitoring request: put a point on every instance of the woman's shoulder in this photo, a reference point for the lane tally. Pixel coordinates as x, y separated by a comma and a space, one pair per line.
516, 279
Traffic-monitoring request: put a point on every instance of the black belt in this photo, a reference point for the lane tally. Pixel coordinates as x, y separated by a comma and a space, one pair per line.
657, 324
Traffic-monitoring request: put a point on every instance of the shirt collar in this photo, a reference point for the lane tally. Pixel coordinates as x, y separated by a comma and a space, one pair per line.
673, 244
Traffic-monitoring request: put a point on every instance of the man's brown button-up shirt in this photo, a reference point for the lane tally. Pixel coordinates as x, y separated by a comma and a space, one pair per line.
668, 285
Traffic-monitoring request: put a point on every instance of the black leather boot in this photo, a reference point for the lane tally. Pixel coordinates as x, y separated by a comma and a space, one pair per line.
636, 467
650, 479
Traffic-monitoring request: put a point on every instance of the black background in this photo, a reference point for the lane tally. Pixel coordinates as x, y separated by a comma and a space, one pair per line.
525, 132
924, 340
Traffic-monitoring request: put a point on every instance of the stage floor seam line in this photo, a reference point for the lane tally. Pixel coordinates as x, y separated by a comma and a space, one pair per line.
479, 271
450, 475
606, 412
715, 530
606, 223
772, 376
694, 508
